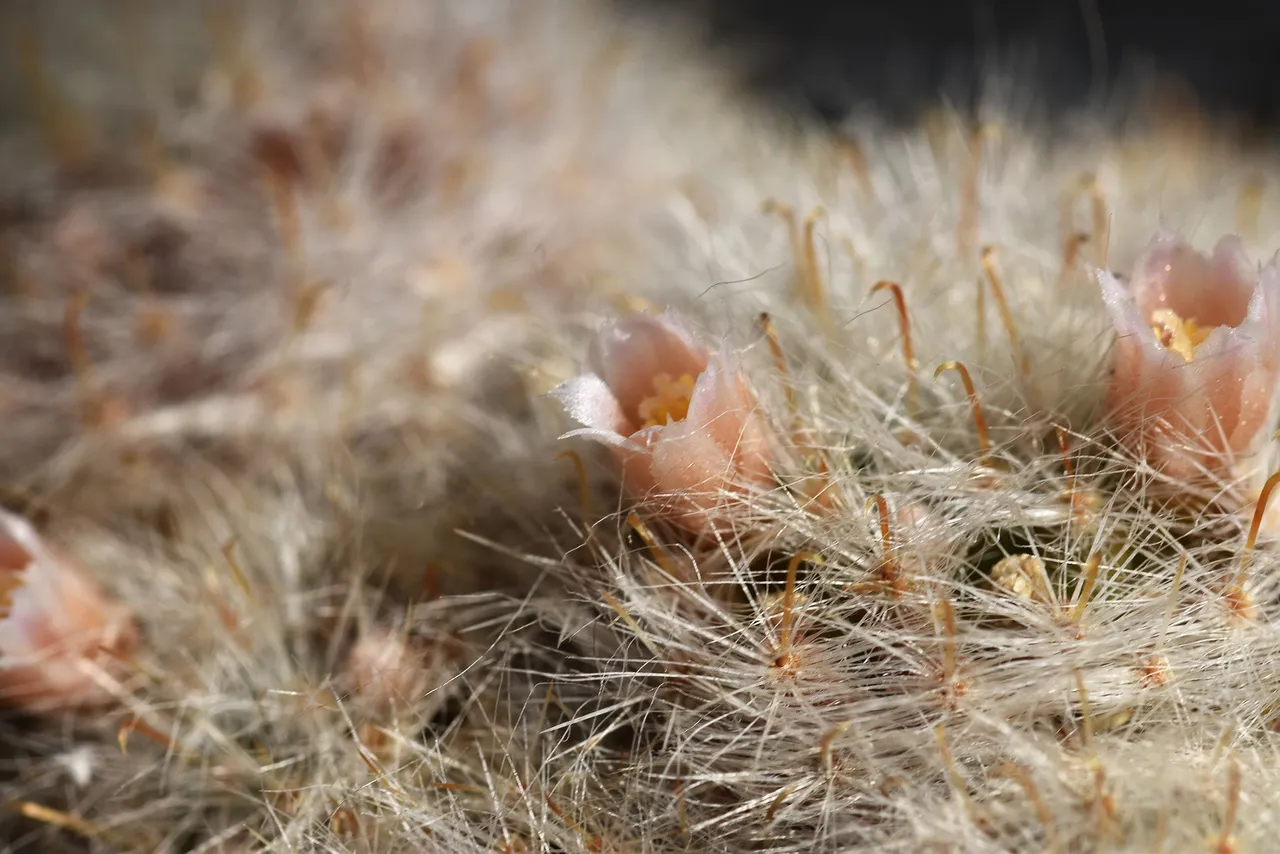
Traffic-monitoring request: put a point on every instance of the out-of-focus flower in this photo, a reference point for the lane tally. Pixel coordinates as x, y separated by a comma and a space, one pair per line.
1024, 576
1197, 360
682, 421
56, 625
387, 672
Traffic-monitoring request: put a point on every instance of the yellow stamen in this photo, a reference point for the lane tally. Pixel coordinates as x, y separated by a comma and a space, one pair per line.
670, 401
10, 583
1181, 335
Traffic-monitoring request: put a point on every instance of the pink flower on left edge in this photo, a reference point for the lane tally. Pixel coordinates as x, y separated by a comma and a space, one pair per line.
55, 625
683, 422
1198, 357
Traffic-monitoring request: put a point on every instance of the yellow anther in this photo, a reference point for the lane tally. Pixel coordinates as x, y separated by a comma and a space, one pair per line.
670, 401
1182, 336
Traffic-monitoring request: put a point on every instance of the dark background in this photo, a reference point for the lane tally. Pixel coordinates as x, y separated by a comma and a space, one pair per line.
900, 55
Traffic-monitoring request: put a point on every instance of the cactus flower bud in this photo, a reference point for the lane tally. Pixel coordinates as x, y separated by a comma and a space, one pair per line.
1197, 361
682, 421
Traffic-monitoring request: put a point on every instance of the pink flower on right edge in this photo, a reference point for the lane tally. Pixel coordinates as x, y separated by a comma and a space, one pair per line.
1198, 355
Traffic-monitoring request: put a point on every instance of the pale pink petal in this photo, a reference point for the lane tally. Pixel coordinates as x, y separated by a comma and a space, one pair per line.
681, 468
690, 467
588, 400
1221, 375
1213, 291
1236, 368
724, 406
1257, 406
1127, 316
608, 438
1232, 284
636, 461
19, 542
632, 350
1143, 371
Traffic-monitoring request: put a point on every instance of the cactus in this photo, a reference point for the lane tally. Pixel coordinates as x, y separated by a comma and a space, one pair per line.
503, 435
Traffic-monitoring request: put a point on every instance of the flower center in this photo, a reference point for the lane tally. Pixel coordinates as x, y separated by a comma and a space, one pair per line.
1181, 335
10, 582
669, 402
14, 561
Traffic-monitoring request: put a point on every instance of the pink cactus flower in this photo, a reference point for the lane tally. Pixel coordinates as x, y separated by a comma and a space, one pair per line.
1198, 357
682, 421
387, 672
55, 626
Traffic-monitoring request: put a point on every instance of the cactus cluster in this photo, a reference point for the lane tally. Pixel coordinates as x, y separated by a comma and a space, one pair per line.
478, 427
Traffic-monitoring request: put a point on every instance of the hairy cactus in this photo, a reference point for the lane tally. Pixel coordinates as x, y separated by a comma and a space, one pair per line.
483, 430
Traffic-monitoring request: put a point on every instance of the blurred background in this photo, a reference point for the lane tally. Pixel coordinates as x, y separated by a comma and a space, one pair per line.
835, 56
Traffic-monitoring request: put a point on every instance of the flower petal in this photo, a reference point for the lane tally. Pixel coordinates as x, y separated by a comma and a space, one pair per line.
1126, 314
1257, 406
689, 463
1212, 291
724, 406
19, 542
604, 437
589, 401
57, 621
